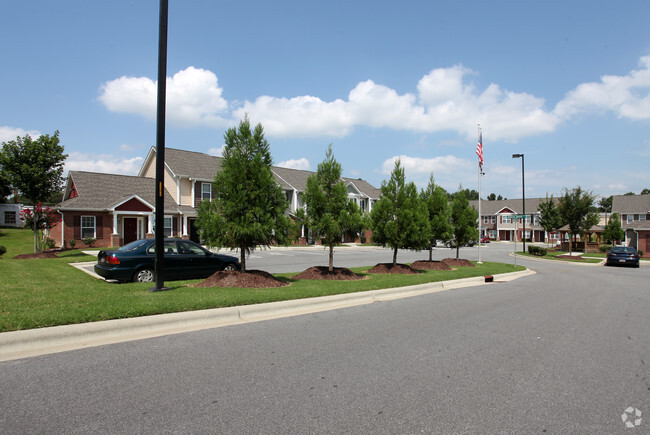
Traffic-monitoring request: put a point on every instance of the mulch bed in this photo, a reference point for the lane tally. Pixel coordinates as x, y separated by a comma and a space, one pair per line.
40, 255
389, 268
322, 272
458, 263
570, 257
236, 278
430, 265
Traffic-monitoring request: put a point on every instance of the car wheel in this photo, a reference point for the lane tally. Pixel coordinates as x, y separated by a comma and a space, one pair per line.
143, 275
230, 266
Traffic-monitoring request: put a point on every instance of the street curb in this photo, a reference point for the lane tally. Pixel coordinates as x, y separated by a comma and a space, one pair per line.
34, 342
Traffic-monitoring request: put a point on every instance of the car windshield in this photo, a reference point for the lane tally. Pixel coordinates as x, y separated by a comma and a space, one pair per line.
133, 245
623, 250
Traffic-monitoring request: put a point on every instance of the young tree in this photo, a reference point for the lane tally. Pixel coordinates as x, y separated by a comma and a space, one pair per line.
435, 199
34, 168
463, 221
43, 219
613, 230
331, 214
249, 206
575, 209
549, 215
399, 218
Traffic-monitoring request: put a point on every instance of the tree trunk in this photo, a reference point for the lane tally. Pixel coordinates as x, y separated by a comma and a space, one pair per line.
395, 257
35, 228
331, 268
457, 251
242, 250
431, 252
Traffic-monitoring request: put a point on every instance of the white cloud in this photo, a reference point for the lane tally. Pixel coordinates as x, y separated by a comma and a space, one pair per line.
445, 99
10, 133
628, 96
418, 166
302, 164
106, 163
193, 98
217, 151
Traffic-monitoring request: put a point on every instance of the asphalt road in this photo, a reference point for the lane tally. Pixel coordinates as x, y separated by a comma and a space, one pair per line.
565, 350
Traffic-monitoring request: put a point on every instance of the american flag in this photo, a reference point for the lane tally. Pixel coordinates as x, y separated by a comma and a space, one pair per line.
479, 148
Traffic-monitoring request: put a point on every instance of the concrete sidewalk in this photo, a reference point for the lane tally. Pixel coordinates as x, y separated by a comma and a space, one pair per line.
34, 342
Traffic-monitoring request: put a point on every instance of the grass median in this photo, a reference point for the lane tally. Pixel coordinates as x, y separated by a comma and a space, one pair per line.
48, 292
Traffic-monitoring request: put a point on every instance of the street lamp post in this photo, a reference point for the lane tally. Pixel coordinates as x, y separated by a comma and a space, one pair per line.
523, 199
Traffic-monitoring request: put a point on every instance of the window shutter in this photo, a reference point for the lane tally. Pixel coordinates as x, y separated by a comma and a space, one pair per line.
76, 224
99, 227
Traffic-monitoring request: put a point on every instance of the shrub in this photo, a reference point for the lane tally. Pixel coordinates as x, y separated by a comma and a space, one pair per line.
604, 248
640, 252
362, 239
88, 241
536, 250
72, 242
49, 243
2, 250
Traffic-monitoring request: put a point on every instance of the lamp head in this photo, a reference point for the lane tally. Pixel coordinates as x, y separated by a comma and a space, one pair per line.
516, 156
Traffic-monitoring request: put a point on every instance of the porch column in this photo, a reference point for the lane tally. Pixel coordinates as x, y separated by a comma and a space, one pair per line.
185, 225
150, 223
115, 223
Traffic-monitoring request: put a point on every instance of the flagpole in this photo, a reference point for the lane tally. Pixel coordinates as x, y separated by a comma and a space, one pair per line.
480, 171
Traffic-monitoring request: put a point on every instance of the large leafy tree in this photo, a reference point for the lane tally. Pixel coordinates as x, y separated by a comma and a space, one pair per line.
549, 215
400, 219
249, 206
613, 230
605, 205
330, 213
34, 167
435, 199
463, 221
5, 185
576, 210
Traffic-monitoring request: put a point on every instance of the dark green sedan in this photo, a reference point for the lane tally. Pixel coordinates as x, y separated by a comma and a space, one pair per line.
183, 260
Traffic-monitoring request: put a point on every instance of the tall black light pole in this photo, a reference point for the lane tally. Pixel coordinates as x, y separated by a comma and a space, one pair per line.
160, 149
523, 199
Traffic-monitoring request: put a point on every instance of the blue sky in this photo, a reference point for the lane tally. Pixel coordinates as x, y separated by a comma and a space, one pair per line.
565, 83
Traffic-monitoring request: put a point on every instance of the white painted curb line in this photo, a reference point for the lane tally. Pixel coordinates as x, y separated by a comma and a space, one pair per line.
33, 342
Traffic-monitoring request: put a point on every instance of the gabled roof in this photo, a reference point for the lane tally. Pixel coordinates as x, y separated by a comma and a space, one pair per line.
101, 192
201, 166
631, 204
514, 205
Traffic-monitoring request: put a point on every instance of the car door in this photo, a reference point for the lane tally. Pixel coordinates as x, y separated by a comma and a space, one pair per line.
196, 259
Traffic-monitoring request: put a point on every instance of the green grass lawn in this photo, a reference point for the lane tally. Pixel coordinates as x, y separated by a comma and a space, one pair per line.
49, 292
552, 255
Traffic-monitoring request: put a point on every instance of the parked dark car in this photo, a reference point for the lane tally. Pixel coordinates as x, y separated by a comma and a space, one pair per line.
622, 255
183, 260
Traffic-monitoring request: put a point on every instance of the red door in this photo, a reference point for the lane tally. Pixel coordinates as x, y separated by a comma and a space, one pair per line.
130, 230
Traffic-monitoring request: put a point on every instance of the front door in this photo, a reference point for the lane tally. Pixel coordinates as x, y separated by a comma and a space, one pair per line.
130, 230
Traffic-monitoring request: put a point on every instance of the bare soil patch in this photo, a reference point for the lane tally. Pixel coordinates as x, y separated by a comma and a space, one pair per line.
458, 263
236, 278
430, 265
390, 268
39, 255
322, 272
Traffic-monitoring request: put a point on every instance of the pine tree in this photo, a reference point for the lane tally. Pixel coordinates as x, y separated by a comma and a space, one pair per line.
249, 205
400, 218
463, 221
330, 213
435, 199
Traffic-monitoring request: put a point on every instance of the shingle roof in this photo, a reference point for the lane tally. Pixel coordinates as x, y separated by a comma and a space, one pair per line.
631, 204
494, 207
204, 167
99, 191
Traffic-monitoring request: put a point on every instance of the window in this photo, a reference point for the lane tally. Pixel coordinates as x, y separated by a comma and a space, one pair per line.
206, 191
168, 227
362, 205
486, 219
507, 219
88, 227
493, 234
10, 218
641, 217
630, 218
494, 219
